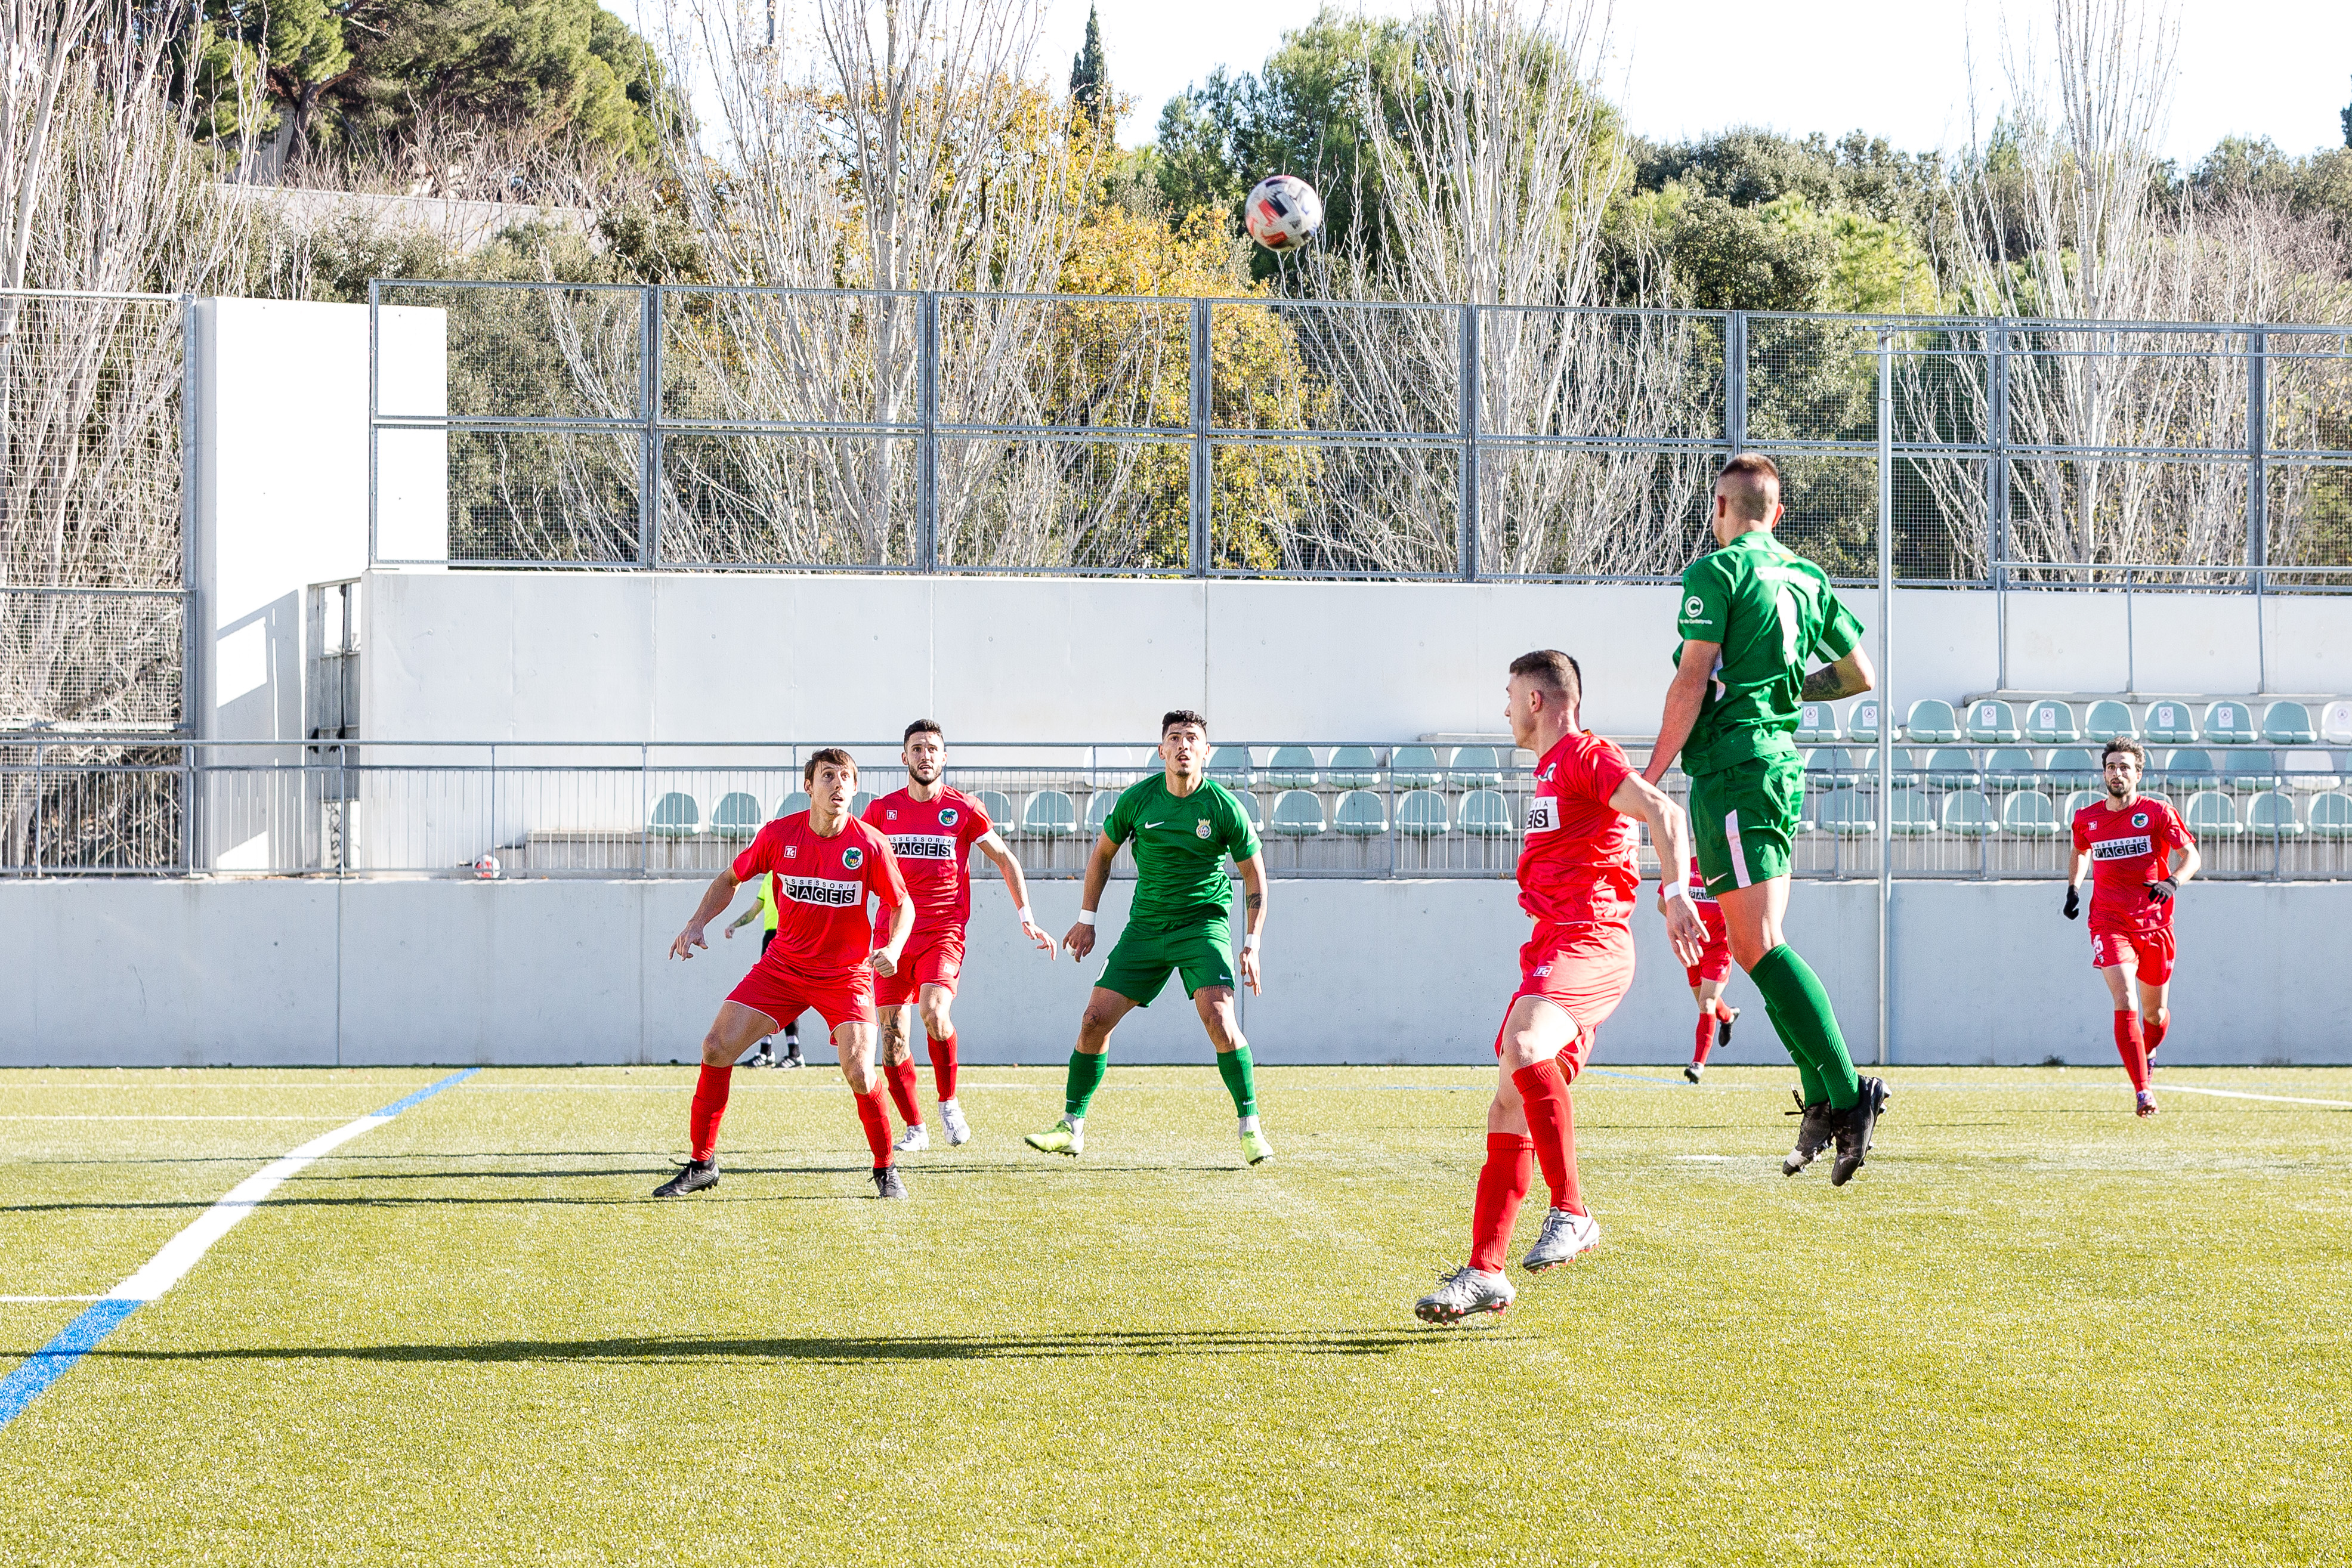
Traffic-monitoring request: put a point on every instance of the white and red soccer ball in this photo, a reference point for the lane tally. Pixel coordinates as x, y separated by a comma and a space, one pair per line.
487, 868
1283, 211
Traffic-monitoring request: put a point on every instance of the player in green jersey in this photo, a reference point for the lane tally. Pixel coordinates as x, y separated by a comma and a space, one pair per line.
1753, 614
1182, 827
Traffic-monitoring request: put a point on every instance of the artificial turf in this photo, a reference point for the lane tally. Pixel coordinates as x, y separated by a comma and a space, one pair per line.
2033, 1330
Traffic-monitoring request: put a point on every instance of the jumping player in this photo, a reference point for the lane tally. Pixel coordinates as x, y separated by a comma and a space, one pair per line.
932, 829
2142, 852
1752, 613
1715, 1016
763, 910
1580, 878
1184, 826
827, 863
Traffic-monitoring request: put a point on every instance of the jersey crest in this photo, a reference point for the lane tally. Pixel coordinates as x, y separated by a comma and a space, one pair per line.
948, 816
2139, 819
1200, 828
852, 858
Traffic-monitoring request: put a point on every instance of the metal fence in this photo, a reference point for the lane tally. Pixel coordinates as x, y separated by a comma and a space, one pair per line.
700, 427
148, 806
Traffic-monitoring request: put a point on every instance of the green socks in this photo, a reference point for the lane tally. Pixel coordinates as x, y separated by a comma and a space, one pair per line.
1233, 1067
1800, 1015
1086, 1077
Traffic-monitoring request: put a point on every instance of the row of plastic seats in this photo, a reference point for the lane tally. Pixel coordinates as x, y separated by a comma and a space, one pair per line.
1360, 768
1297, 813
2049, 722
2032, 814
2014, 768
738, 815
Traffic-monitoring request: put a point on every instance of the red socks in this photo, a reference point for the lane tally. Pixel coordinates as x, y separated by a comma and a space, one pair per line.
2132, 1047
1502, 1185
1706, 1040
2154, 1030
943, 1065
1551, 1122
710, 1104
900, 1077
876, 1118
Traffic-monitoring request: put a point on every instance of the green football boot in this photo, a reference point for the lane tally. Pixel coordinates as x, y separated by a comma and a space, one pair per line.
1254, 1148
1064, 1138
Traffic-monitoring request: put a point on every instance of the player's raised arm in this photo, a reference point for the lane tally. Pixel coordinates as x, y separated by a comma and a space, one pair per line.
1254, 881
1009, 867
1080, 939
1670, 835
1683, 699
715, 899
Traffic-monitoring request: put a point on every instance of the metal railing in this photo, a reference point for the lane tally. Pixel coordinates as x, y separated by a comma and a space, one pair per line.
717, 428
148, 806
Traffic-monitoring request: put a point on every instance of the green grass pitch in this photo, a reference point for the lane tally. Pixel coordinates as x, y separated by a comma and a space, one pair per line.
2035, 1330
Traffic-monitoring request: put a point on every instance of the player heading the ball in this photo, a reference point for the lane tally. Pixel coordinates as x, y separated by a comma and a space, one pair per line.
2142, 852
933, 829
1580, 878
1753, 613
1182, 825
827, 863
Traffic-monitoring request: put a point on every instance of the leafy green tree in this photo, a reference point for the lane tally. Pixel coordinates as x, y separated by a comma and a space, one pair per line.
1090, 72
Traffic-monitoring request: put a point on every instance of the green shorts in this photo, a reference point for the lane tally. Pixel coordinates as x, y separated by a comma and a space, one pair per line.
1138, 965
1744, 819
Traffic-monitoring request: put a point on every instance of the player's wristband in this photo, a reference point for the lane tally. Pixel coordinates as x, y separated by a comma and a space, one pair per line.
1021, 915
1086, 917
1249, 942
1682, 889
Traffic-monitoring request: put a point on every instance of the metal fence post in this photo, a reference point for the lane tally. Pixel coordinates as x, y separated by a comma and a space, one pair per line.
192, 616
1466, 542
1197, 549
1997, 492
927, 459
2258, 488
36, 807
1734, 380
1886, 662
649, 453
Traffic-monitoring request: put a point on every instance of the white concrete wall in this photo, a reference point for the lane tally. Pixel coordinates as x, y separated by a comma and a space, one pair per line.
198, 972
681, 657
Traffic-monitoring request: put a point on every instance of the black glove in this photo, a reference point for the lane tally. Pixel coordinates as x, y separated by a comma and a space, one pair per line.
2162, 891
2074, 901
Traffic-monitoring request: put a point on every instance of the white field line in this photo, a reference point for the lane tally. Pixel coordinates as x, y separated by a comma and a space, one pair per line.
2243, 1094
52, 1298
313, 1118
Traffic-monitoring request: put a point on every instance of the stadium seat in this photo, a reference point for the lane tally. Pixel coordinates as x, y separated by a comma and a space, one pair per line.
1297, 814
2288, 724
2053, 724
1816, 722
2170, 724
2191, 767
2213, 815
1847, 814
1932, 722
675, 816
737, 815
1910, 816
2027, 814
1861, 724
1354, 767
1476, 767
1415, 767
2011, 767
1098, 810
1484, 814
798, 800
1292, 767
1230, 766
1050, 814
2109, 720
2309, 771
2271, 815
1360, 814
994, 804
1992, 722
1953, 768
1248, 799
1832, 767
2074, 804
2229, 724
2248, 771
2074, 768
2336, 724
2331, 815
1421, 813
1968, 814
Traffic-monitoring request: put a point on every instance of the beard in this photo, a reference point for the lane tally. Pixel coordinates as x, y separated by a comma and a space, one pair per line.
922, 777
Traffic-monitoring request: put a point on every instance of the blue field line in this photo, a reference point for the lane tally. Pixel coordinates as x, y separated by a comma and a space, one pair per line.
79, 1338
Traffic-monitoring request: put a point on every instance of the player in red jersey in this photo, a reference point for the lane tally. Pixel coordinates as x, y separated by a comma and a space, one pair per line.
827, 863
1577, 878
2142, 853
1707, 977
933, 829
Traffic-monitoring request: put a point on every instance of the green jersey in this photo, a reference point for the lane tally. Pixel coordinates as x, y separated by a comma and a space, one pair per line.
766, 895
1771, 610
1180, 844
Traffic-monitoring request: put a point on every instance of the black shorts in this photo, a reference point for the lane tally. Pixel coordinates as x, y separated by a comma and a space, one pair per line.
765, 937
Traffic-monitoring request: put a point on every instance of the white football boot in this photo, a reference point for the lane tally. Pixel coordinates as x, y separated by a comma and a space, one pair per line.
959, 1131
914, 1140
1466, 1292
1565, 1236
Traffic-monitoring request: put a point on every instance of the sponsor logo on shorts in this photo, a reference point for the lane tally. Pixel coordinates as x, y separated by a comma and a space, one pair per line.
1543, 813
923, 846
1201, 830
824, 891
852, 858
948, 816
2122, 848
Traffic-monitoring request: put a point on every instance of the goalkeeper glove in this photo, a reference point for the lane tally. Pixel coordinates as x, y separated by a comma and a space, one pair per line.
2161, 892
2074, 901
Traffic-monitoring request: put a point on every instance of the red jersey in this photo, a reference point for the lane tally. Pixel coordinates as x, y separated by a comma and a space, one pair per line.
1577, 865
933, 840
820, 888
2128, 849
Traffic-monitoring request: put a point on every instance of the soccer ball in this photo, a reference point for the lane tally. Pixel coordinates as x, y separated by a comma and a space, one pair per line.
487, 868
1283, 211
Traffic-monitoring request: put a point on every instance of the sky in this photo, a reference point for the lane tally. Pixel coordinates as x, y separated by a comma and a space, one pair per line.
2279, 68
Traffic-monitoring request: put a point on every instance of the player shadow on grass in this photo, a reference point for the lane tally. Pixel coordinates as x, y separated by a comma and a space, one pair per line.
846, 1350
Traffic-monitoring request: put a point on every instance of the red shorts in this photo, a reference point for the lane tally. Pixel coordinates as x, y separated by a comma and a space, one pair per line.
936, 962
1715, 963
1582, 969
2152, 948
783, 996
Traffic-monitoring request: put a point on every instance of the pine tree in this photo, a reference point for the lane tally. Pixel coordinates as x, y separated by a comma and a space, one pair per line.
1089, 73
